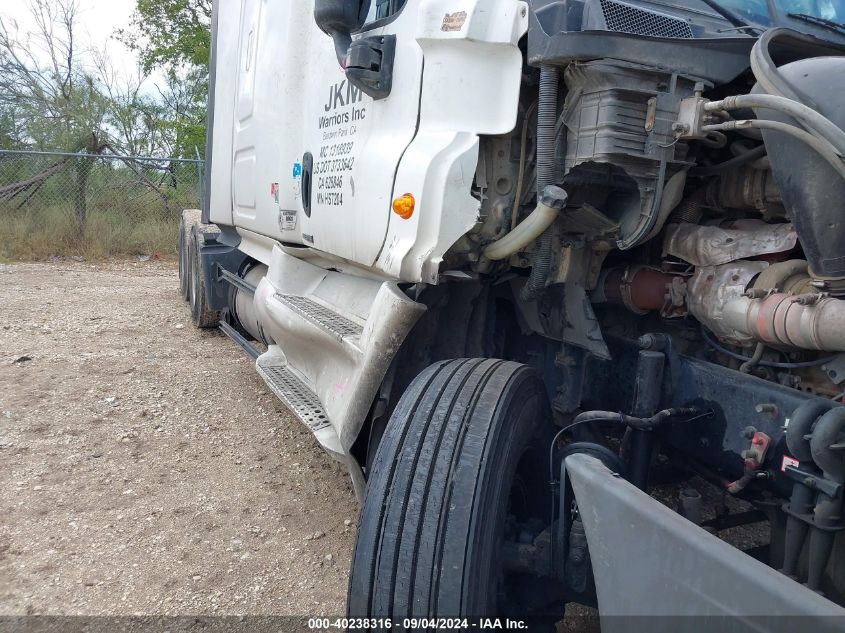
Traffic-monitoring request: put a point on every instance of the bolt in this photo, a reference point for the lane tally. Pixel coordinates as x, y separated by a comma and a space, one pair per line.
563, 359
646, 341
523, 12
809, 482
767, 407
680, 128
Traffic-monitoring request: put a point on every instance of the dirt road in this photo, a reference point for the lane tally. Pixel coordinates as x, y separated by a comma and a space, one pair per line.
145, 466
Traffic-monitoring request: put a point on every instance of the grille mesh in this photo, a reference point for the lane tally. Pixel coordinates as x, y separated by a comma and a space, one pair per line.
627, 19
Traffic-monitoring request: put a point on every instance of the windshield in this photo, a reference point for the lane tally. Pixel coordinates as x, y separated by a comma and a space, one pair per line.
758, 11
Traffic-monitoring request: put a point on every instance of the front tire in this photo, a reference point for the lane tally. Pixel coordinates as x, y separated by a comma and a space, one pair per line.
441, 490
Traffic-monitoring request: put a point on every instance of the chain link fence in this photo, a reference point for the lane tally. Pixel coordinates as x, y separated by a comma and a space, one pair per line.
80, 185
55, 202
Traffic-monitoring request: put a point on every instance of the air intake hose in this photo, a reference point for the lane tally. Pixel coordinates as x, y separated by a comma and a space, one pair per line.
546, 122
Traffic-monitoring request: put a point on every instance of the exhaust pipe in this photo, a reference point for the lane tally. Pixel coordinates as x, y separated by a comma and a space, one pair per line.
808, 321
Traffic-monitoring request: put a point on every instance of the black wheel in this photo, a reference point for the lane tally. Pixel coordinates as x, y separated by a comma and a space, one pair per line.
201, 315
188, 219
462, 453
183, 265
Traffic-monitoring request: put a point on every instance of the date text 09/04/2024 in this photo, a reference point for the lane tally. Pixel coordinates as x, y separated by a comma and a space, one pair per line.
456, 624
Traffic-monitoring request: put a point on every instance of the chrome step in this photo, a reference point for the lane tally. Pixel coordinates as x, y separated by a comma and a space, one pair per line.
294, 393
321, 316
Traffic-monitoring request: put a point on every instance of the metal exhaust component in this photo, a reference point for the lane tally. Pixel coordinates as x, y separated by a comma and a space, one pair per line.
642, 289
809, 321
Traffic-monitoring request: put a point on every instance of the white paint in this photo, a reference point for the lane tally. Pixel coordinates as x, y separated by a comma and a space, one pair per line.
449, 87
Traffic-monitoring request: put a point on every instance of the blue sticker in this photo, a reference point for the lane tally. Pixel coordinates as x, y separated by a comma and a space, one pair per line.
297, 170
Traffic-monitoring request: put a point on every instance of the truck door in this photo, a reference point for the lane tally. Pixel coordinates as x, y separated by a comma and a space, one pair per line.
314, 157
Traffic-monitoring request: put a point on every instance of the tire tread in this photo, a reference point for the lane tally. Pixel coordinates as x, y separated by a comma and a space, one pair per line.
419, 518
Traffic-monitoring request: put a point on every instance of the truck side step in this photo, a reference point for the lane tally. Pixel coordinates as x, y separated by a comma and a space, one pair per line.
298, 397
322, 316
332, 337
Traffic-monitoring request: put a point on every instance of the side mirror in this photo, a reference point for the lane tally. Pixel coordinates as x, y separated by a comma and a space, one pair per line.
339, 19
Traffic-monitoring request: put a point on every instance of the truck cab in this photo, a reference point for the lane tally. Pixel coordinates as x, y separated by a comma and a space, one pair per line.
516, 263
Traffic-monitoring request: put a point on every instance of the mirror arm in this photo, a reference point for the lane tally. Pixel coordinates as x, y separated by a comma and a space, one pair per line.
341, 40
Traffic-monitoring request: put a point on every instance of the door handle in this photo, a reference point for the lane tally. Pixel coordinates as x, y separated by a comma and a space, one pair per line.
305, 182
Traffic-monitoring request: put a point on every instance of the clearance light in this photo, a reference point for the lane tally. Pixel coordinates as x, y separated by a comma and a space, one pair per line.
404, 206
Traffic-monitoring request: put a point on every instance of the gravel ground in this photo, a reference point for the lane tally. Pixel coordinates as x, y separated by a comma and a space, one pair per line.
146, 468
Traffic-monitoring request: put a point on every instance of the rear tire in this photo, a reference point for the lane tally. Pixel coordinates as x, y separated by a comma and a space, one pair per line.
189, 218
201, 315
441, 488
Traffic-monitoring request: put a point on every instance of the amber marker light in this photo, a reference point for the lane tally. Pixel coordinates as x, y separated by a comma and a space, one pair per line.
404, 206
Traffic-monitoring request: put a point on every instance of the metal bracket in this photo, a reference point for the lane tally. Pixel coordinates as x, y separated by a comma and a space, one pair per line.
230, 277
369, 64
238, 338
828, 487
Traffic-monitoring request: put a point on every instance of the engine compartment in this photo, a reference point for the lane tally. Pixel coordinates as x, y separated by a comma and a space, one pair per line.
707, 215
738, 230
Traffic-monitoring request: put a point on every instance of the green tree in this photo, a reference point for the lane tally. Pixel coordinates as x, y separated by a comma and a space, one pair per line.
174, 33
176, 38
11, 129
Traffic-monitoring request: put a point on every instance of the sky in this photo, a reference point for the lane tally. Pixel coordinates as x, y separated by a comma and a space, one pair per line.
98, 20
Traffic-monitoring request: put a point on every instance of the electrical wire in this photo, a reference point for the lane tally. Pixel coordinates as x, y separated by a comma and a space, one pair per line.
752, 362
521, 176
620, 418
602, 416
763, 363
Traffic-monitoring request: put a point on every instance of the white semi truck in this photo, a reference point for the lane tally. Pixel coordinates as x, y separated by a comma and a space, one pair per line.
516, 263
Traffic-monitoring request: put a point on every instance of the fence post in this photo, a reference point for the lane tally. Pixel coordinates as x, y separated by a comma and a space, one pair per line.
83, 171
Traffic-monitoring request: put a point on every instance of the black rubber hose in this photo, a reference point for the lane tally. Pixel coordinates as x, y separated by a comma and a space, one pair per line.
824, 436
737, 161
634, 422
546, 121
800, 428
767, 73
